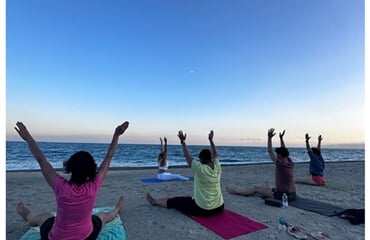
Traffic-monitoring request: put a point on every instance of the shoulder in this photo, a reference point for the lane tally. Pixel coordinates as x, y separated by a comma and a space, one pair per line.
195, 164
60, 183
59, 180
98, 179
216, 160
290, 162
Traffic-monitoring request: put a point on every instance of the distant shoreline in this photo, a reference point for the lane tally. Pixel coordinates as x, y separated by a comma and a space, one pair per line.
355, 146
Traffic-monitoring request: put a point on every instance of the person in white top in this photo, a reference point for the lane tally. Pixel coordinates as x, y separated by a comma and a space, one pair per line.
163, 173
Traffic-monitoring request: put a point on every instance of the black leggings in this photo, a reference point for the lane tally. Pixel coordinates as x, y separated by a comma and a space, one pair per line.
48, 224
278, 195
187, 205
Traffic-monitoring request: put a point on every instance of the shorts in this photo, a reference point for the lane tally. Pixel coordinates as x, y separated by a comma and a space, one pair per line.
48, 224
319, 180
279, 195
187, 205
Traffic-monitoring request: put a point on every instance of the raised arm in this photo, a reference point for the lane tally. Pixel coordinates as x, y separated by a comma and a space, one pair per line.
319, 139
307, 137
281, 135
47, 170
270, 135
161, 144
165, 152
104, 166
213, 147
187, 155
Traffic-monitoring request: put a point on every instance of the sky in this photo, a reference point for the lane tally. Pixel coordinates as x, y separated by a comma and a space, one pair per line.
77, 69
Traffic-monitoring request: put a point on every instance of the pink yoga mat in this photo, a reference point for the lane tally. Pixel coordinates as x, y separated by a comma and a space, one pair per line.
229, 224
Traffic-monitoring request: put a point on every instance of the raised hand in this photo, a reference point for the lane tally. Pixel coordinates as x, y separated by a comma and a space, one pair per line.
121, 128
307, 137
320, 138
271, 132
281, 134
181, 136
22, 131
165, 140
210, 135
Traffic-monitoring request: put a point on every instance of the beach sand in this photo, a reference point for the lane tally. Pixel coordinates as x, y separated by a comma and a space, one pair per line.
143, 221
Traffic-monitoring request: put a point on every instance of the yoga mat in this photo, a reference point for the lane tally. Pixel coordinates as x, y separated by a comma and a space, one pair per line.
337, 187
155, 180
322, 208
229, 224
113, 230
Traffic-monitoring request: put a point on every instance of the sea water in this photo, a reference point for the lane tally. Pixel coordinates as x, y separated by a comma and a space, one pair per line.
19, 157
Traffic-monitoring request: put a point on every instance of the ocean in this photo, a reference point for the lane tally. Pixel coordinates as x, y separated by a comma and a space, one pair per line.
19, 157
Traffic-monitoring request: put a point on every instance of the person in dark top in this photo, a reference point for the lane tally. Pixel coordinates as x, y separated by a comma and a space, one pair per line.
284, 173
317, 164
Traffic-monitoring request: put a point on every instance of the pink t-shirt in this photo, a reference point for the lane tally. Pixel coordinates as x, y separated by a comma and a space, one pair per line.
74, 209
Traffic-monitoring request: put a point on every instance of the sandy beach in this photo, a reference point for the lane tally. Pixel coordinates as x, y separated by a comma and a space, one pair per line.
143, 221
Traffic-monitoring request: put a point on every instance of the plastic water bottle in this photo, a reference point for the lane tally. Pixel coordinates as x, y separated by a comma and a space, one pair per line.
282, 228
285, 200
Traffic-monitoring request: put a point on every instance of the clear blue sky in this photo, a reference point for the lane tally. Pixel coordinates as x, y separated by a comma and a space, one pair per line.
76, 69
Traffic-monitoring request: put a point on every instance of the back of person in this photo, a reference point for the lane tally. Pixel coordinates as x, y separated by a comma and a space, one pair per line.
316, 164
207, 187
74, 208
284, 176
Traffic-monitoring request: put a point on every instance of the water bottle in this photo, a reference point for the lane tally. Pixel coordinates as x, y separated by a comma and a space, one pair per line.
282, 228
285, 200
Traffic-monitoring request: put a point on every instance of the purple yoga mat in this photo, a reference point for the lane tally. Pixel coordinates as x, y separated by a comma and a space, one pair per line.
229, 224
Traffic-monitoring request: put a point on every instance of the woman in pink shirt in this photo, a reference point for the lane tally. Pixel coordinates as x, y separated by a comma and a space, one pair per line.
75, 197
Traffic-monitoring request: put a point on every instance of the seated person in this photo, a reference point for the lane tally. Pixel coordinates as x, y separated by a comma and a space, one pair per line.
317, 165
207, 198
163, 173
75, 197
284, 173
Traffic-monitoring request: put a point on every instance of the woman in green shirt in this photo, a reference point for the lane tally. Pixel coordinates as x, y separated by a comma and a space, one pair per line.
207, 198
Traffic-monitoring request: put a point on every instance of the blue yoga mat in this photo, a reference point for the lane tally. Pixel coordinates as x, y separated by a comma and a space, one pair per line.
155, 180
113, 230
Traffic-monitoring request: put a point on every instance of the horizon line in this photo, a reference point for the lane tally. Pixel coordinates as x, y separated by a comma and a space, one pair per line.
360, 145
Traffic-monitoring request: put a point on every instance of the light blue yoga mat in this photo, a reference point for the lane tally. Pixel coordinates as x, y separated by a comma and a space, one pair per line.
155, 180
113, 230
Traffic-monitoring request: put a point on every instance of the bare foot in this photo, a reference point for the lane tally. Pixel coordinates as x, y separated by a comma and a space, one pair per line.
23, 211
120, 203
150, 199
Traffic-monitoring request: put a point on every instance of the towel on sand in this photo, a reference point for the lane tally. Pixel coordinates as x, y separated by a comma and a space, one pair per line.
113, 230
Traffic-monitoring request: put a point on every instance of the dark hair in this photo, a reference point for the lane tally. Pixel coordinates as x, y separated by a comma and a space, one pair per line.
282, 151
316, 151
82, 166
205, 156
